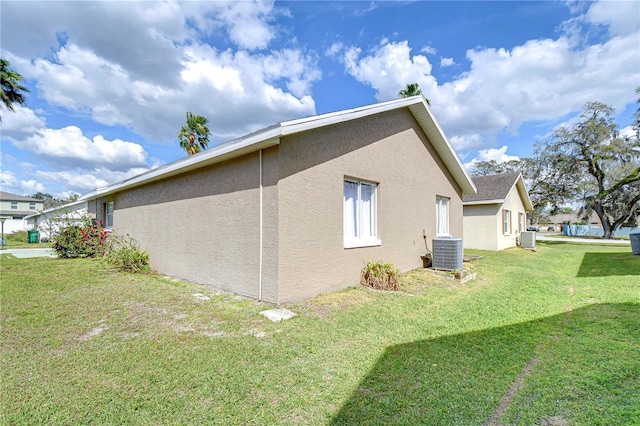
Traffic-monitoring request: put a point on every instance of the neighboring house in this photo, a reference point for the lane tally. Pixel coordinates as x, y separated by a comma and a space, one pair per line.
49, 222
497, 213
14, 208
295, 209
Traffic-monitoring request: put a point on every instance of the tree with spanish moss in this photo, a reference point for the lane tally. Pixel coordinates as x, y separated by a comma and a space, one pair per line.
194, 136
597, 166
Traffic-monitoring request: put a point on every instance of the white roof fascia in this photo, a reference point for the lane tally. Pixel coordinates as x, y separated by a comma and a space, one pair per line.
524, 194
479, 202
307, 123
270, 136
251, 143
441, 144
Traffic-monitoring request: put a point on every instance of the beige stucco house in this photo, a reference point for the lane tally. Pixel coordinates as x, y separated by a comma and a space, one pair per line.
296, 209
495, 216
14, 208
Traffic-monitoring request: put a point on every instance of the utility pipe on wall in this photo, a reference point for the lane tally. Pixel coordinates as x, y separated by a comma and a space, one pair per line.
260, 232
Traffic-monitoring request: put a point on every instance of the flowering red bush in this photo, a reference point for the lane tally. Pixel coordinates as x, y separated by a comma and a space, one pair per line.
81, 240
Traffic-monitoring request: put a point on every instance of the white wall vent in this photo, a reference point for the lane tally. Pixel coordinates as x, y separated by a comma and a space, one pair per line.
528, 239
447, 253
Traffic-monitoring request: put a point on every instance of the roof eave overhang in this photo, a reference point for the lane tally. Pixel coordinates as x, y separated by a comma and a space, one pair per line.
271, 136
481, 202
441, 144
212, 156
524, 194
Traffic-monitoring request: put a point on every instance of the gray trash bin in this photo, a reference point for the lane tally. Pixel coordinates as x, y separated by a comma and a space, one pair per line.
634, 236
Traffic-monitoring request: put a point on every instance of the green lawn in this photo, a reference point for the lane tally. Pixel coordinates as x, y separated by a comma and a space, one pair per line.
540, 337
20, 240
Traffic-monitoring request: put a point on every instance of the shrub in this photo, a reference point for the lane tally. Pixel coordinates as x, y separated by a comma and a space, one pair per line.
83, 239
123, 253
18, 237
380, 276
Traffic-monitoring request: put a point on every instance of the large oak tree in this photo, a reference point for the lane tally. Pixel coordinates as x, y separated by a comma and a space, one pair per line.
598, 167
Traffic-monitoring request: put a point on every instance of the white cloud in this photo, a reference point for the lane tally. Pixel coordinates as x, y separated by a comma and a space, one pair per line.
467, 142
446, 62
429, 50
23, 121
69, 147
9, 183
78, 162
142, 65
88, 180
621, 17
227, 87
627, 132
247, 22
499, 155
390, 67
334, 49
540, 80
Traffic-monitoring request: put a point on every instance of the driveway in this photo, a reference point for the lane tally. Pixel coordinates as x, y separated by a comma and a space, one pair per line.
26, 253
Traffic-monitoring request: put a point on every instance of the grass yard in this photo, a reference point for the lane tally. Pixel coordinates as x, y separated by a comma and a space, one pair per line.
547, 337
20, 240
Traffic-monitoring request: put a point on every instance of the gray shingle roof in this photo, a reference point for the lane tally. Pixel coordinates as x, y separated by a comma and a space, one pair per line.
494, 187
7, 196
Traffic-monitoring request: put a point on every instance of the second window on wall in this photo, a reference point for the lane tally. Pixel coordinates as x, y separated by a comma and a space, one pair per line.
506, 221
360, 213
108, 215
442, 216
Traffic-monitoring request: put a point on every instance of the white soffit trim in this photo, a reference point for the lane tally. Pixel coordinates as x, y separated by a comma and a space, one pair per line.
480, 202
443, 147
524, 194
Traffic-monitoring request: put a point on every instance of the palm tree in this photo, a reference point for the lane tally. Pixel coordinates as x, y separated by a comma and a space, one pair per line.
194, 136
412, 89
10, 89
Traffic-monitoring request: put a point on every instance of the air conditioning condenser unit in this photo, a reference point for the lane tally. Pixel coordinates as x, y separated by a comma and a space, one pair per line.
528, 239
447, 253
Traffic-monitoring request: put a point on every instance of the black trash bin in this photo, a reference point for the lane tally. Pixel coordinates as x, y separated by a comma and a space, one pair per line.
634, 236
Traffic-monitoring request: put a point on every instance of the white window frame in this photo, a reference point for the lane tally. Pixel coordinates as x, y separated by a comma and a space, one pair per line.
14, 205
506, 222
442, 216
357, 237
108, 216
521, 221
32, 206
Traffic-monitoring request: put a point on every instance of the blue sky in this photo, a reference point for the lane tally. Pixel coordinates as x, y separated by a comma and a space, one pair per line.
111, 82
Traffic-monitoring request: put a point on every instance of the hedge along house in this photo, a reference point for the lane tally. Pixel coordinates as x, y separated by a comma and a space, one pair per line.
295, 209
496, 215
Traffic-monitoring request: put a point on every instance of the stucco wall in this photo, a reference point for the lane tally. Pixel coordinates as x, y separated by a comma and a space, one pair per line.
203, 226
481, 226
389, 149
513, 202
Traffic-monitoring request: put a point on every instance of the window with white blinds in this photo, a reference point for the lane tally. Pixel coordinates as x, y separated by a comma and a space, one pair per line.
360, 213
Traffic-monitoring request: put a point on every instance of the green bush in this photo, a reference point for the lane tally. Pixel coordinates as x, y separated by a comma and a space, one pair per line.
84, 239
380, 276
123, 253
18, 237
